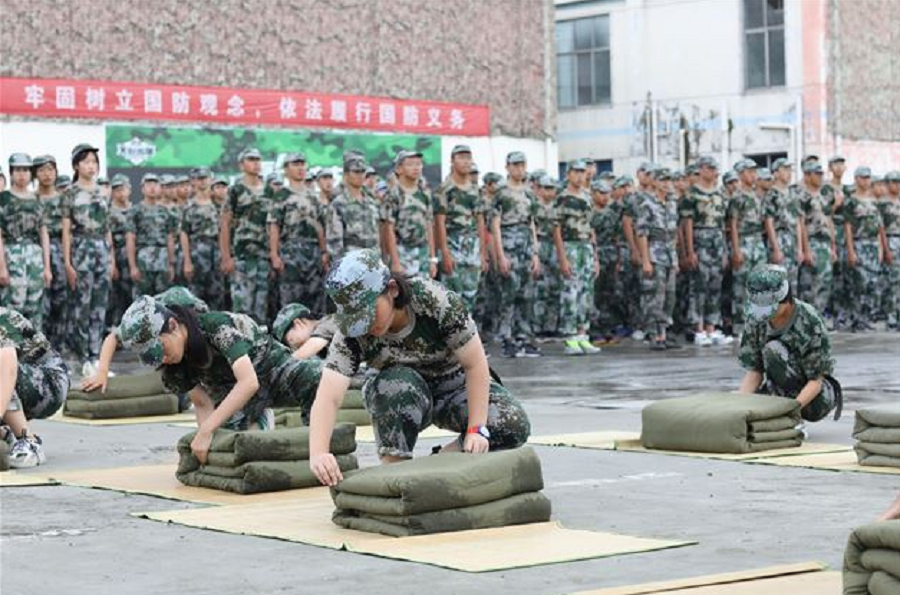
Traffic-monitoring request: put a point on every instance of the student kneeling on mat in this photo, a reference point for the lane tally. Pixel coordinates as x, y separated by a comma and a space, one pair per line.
34, 381
785, 348
232, 369
431, 361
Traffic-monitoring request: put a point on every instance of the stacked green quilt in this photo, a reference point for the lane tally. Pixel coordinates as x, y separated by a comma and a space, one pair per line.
4, 455
353, 410
441, 493
877, 433
872, 560
261, 460
136, 395
722, 423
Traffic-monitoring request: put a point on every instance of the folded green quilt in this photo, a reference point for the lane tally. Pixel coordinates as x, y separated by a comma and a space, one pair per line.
260, 476
353, 399
872, 560
439, 483
122, 407
124, 387
531, 507
4, 455
721, 423
353, 410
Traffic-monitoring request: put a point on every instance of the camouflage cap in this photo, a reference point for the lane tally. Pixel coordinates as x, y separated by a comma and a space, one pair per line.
677, 174
149, 177
809, 157
836, 159
354, 284
691, 169
473, 169
546, 182
600, 186
663, 174
220, 179
63, 181
876, 179
178, 295
744, 165
355, 164
764, 174
623, 181
537, 175
42, 160
295, 157
273, 177
646, 167
729, 177
492, 178
406, 154
167, 179
182, 179
141, 326
813, 167
767, 286
353, 154
370, 171
708, 161
460, 149
249, 153
103, 180
608, 176
515, 157
863, 171
198, 173
119, 180
325, 172
286, 318
20, 160
577, 165
892, 176
781, 162
82, 148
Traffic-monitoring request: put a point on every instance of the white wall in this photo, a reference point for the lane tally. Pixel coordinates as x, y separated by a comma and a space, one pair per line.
50, 138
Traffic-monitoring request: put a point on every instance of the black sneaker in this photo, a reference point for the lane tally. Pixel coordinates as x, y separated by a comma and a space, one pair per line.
672, 343
510, 349
657, 346
530, 350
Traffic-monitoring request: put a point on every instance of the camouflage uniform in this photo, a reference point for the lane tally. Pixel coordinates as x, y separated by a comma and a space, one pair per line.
249, 211
841, 289
122, 290
42, 379
88, 210
546, 289
890, 216
177, 213
817, 279
462, 205
412, 215
420, 380
516, 210
55, 296
152, 225
631, 275
746, 207
300, 218
284, 381
355, 221
200, 222
607, 226
658, 222
783, 207
864, 218
21, 218
707, 210
572, 214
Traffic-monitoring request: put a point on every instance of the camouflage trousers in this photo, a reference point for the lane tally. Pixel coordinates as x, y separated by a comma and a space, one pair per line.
841, 291
681, 313
577, 295
209, 282
292, 384
487, 302
415, 260
250, 285
865, 280
466, 251
41, 387
709, 245
787, 241
892, 302
302, 279
403, 403
56, 299
153, 263
603, 319
658, 297
784, 377
516, 308
816, 280
628, 291
25, 292
546, 290
89, 299
753, 249
121, 291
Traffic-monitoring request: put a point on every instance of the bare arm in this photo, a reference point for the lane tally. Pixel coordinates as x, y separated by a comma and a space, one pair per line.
225, 237
628, 231
45, 249
478, 386
809, 392
389, 245
203, 405
329, 397
101, 377
773, 240
188, 263
312, 347
752, 380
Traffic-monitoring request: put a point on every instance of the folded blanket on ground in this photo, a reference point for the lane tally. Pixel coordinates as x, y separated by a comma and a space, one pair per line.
4, 455
260, 461
872, 560
136, 395
449, 492
353, 410
722, 423
877, 432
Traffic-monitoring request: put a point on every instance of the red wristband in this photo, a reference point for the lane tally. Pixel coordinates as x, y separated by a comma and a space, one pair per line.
473, 430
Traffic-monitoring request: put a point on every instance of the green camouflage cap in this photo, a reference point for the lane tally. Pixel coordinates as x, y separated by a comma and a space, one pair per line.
42, 160
149, 177
892, 176
764, 174
140, 328
200, 172
863, 171
119, 180
663, 174
473, 169
515, 157
355, 165
286, 318
729, 176
167, 180
537, 175
81, 148
876, 178
310, 176
273, 177
744, 164
600, 186
813, 167
249, 153
492, 177
296, 157
546, 182
691, 169
623, 181
708, 161
646, 167
182, 179
178, 295
370, 171
20, 160
63, 181
677, 174
325, 172
103, 180
577, 165
836, 159
220, 179
781, 162
767, 286
460, 149
809, 157
608, 176
354, 285
406, 154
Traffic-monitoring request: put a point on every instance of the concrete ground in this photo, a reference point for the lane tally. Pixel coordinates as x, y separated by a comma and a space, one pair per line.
71, 540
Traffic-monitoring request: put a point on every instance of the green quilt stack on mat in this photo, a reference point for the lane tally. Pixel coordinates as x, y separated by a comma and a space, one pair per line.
722, 423
877, 432
136, 395
4, 456
257, 461
448, 492
353, 411
872, 560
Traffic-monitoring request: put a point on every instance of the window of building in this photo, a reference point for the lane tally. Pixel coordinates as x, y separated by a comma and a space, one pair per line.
764, 43
582, 60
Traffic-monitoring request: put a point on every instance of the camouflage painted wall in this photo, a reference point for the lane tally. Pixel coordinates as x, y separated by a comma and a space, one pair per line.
865, 69
469, 51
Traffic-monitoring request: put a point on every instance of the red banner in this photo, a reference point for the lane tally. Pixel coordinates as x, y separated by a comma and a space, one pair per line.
62, 98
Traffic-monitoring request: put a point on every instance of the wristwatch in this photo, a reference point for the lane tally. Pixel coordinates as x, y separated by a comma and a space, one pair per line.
482, 430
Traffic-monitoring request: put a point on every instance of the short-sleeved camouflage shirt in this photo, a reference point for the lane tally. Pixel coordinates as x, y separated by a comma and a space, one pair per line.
119, 224
88, 210
607, 226
200, 221
298, 215
805, 336
410, 212
783, 207
544, 221
21, 217
890, 216
746, 207
460, 204
355, 220
249, 211
572, 213
439, 326
658, 222
151, 224
631, 204
53, 215
817, 210
516, 207
17, 332
865, 218
706, 208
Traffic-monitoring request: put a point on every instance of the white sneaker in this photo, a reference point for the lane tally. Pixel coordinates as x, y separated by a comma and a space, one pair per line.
717, 338
802, 427
28, 451
638, 335
701, 339
573, 347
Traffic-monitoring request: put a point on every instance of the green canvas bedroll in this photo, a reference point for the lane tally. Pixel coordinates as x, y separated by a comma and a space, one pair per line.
722, 423
872, 560
353, 410
124, 387
122, 407
260, 461
877, 431
4, 456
